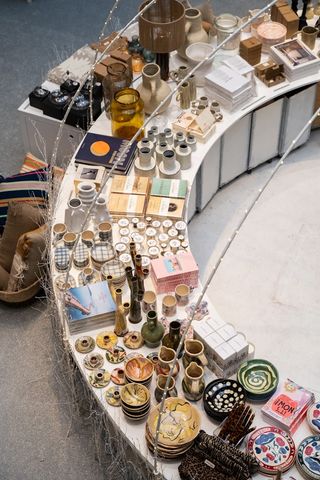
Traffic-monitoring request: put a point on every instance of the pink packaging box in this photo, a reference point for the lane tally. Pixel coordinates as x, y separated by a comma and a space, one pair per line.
168, 272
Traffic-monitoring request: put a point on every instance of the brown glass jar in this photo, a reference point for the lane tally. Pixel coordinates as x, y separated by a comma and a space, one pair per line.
127, 114
118, 77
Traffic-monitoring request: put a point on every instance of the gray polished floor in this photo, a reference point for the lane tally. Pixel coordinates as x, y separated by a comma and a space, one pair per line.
37, 439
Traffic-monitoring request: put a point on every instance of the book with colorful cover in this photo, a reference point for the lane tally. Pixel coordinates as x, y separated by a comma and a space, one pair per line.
87, 304
103, 150
288, 405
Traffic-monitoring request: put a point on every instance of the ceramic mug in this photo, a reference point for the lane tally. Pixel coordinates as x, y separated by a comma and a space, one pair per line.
105, 232
87, 238
59, 229
309, 36
182, 293
180, 74
69, 239
183, 96
169, 305
215, 107
149, 301
193, 87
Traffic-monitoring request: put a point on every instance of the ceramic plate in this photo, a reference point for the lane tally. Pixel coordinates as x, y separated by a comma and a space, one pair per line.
133, 340
135, 394
99, 378
259, 378
180, 422
113, 396
115, 354
273, 448
314, 417
139, 369
308, 457
117, 376
220, 396
85, 344
93, 361
106, 340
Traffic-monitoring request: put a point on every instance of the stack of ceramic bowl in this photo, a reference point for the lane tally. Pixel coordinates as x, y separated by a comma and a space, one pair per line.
139, 370
135, 401
259, 379
307, 460
220, 397
179, 426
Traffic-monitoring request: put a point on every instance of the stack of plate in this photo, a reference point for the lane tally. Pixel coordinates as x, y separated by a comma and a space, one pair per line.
308, 457
259, 378
135, 401
220, 397
314, 417
180, 424
273, 448
139, 370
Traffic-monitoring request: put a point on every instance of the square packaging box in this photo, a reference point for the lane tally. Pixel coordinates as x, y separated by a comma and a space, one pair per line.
225, 355
168, 272
227, 332
164, 187
241, 346
130, 184
163, 207
120, 204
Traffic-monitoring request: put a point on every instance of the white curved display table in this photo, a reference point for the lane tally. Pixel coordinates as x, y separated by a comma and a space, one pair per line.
134, 431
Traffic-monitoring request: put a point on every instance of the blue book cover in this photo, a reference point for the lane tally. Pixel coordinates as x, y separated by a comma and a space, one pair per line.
103, 150
89, 301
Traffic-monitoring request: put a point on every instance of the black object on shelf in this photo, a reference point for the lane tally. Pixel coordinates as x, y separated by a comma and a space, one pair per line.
69, 86
56, 104
37, 97
79, 115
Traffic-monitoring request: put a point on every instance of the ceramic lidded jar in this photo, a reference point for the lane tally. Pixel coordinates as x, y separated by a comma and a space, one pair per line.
152, 331
193, 383
153, 90
194, 352
194, 30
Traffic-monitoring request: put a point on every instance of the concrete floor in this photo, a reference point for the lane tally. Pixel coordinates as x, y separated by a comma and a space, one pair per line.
36, 441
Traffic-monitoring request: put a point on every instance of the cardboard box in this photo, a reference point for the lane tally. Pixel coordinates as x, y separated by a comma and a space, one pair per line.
121, 204
130, 184
164, 187
164, 207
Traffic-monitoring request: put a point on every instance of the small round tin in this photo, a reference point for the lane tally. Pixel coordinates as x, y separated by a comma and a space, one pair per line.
124, 232
141, 227
152, 243
174, 245
125, 240
308, 457
145, 261
166, 225
120, 248
181, 226
313, 417
154, 252
273, 448
173, 233
135, 222
125, 258
163, 238
156, 224
123, 223
151, 233
149, 220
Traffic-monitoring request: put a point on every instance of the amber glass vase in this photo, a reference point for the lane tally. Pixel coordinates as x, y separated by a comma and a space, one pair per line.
127, 114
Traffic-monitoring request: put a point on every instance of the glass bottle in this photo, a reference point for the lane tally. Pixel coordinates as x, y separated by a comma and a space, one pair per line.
127, 114
118, 77
172, 339
152, 331
225, 25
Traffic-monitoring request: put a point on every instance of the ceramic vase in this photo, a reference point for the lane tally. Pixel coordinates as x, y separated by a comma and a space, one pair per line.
152, 330
172, 339
169, 167
165, 362
153, 90
86, 192
101, 212
161, 383
145, 164
183, 153
74, 215
194, 352
193, 29
135, 297
122, 310
193, 383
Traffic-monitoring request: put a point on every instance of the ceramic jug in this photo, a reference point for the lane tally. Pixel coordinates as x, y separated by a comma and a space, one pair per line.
193, 352
165, 362
194, 30
193, 383
152, 331
153, 90
161, 383
172, 339
122, 310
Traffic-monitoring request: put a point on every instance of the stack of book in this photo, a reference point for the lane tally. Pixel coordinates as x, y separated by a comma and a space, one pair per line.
105, 151
288, 406
298, 60
168, 272
89, 307
229, 87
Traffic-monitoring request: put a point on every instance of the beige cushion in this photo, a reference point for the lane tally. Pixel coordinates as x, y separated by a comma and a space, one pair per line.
21, 218
4, 278
30, 259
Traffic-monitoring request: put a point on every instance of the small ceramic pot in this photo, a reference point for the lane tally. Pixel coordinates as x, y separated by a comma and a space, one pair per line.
105, 232
69, 239
178, 75
194, 352
87, 238
59, 229
193, 383
86, 192
149, 301
169, 305
182, 293
161, 383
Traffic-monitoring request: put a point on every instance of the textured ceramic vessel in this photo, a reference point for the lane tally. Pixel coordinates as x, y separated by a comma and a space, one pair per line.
153, 90
122, 310
194, 352
172, 339
135, 297
165, 362
152, 331
193, 29
193, 383
161, 383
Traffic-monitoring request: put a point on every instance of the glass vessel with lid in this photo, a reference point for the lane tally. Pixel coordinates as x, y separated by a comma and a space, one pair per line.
127, 114
118, 77
225, 25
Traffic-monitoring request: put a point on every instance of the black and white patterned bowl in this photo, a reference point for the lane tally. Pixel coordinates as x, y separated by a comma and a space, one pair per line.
221, 395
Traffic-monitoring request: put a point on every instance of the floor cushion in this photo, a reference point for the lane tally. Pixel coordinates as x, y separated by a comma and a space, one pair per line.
22, 218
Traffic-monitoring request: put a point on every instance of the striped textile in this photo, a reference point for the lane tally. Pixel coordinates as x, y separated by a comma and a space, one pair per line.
32, 163
30, 187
